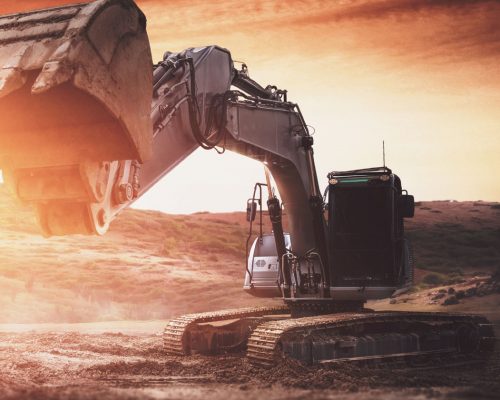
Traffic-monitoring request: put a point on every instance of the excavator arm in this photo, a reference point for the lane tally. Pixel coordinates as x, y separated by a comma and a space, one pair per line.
87, 126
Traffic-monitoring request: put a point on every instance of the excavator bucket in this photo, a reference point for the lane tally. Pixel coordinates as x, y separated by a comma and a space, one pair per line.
75, 85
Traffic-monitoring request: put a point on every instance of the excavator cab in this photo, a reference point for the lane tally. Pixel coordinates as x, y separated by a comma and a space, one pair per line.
369, 255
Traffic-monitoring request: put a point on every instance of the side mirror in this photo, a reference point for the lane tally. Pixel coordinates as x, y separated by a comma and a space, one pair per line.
251, 210
407, 206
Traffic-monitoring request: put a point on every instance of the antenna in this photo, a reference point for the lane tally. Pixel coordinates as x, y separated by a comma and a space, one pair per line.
383, 151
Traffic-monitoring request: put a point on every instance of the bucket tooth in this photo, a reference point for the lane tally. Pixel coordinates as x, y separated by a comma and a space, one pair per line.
12, 76
11, 79
53, 73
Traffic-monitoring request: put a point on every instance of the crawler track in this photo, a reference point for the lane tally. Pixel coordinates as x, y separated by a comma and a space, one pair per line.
176, 336
361, 337
318, 339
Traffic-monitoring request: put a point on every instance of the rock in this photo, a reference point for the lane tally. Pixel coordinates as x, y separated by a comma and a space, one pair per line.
471, 292
460, 294
439, 296
393, 301
450, 301
451, 290
442, 291
484, 290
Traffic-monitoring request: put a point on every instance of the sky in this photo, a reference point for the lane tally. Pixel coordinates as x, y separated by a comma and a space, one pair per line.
422, 75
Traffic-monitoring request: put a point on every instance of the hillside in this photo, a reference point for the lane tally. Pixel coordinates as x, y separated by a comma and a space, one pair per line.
456, 236
153, 266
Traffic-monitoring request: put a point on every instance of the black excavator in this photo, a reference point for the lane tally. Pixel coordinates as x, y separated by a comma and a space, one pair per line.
88, 124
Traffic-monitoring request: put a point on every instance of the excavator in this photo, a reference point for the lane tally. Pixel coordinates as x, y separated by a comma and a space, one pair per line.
88, 123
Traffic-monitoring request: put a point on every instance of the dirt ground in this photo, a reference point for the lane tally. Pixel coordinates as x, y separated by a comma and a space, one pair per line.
125, 360
57, 296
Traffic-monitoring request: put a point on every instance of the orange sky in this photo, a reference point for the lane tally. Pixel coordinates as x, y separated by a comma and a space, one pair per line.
421, 74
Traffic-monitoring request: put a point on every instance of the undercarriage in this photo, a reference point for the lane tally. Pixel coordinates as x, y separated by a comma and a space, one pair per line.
270, 334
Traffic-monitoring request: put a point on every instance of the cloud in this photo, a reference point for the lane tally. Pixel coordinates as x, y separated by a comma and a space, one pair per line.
444, 30
456, 29
437, 31
405, 33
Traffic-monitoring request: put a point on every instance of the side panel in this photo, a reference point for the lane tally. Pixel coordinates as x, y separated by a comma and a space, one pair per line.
263, 263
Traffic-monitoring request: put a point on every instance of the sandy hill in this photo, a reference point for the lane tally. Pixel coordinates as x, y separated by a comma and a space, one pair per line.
455, 236
152, 265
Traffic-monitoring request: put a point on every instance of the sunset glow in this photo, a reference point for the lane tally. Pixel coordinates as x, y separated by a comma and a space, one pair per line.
141, 260
423, 76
